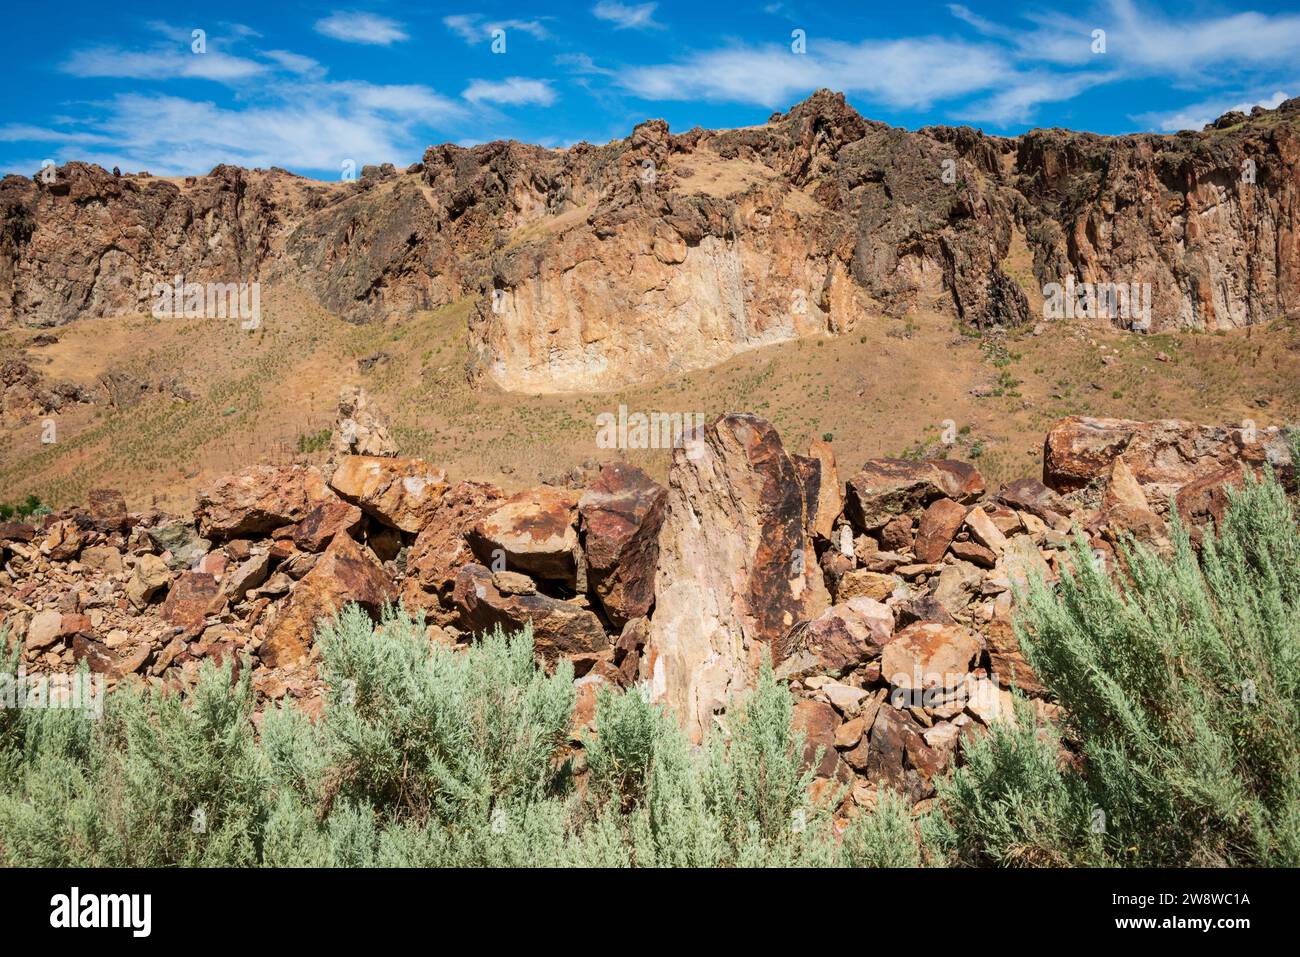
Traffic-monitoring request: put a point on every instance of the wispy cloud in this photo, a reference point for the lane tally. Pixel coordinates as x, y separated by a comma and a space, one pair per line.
161, 63
639, 16
512, 91
475, 27
1199, 115
359, 27
905, 74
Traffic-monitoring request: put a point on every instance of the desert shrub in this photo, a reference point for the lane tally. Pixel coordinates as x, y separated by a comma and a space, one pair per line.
1180, 683
425, 756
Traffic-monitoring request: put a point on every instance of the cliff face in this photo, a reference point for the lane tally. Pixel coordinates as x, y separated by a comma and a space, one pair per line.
596, 267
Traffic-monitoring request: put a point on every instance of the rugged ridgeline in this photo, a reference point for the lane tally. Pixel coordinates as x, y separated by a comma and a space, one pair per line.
884, 599
600, 266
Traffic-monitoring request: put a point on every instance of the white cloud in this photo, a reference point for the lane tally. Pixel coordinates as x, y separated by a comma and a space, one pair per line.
903, 74
512, 91
162, 63
295, 63
359, 27
1199, 115
582, 64
638, 16
474, 27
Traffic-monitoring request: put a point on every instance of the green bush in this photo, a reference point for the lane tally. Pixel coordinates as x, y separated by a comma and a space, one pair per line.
1181, 693
425, 756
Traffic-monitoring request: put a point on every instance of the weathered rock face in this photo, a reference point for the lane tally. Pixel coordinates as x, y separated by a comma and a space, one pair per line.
441, 549
736, 570
400, 492
534, 531
621, 515
1163, 456
344, 573
360, 428
257, 500
887, 488
559, 627
727, 239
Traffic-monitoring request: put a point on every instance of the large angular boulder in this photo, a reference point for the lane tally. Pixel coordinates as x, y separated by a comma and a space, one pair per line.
929, 656
534, 531
344, 573
440, 550
939, 524
1164, 455
842, 637
1032, 496
620, 518
485, 600
886, 488
325, 520
402, 493
737, 569
193, 596
360, 428
821, 488
257, 500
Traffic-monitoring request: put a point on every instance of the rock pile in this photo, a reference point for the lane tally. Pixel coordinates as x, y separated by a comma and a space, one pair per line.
884, 601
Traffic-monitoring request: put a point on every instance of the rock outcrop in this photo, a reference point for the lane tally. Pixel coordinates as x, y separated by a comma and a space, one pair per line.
728, 240
889, 617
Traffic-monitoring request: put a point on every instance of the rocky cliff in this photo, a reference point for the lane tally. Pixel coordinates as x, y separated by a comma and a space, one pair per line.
599, 266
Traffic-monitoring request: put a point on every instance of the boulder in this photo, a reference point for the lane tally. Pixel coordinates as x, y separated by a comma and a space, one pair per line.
559, 627
360, 428
1124, 506
107, 510
257, 500
1163, 455
845, 636
192, 598
325, 520
440, 550
1204, 499
1032, 496
928, 656
737, 569
887, 488
402, 493
345, 573
821, 483
621, 516
149, 576
181, 542
938, 526
534, 531
818, 722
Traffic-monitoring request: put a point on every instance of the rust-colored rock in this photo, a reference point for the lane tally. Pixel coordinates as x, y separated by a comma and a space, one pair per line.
1205, 499
887, 488
440, 550
929, 656
821, 488
402, 493
325, 520
257, 500
1163, 455
534, 531
559, 627
344, 573
621, 515
737, 569
193, 596
939, 524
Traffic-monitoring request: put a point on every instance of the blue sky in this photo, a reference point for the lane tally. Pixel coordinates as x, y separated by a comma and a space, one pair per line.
310, 86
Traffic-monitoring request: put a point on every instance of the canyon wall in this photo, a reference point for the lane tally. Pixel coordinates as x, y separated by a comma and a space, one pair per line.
596, 267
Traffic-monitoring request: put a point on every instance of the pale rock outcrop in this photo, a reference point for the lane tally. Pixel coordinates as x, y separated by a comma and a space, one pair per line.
737, 570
